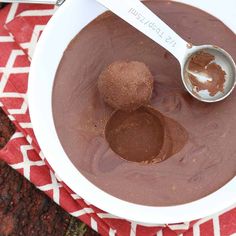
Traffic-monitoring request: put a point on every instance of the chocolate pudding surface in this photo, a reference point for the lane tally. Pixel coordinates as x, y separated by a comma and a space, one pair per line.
205, 163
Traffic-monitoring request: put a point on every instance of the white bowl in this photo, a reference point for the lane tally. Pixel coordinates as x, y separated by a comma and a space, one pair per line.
64, 25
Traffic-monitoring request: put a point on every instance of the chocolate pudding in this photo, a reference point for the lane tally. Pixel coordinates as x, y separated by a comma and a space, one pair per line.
201, 163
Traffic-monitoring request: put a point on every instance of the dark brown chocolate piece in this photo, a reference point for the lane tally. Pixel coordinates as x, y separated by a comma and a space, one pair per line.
126, 85
208, 159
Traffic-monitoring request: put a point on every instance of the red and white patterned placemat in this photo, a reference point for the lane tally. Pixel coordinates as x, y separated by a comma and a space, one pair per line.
20, 29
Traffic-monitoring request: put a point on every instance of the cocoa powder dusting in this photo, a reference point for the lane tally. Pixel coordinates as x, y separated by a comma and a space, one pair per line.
202, 63
199, 61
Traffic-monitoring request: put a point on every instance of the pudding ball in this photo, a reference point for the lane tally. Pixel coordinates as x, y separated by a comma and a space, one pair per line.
126, 85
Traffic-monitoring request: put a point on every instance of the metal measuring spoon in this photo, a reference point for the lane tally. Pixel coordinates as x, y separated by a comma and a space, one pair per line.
139, 16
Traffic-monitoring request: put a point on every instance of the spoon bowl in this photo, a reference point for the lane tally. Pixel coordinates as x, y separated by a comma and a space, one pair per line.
221, 58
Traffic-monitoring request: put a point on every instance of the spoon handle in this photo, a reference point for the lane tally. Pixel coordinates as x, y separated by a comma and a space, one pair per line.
139, 16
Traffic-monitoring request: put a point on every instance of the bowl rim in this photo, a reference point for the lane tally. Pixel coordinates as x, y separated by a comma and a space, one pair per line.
41, 77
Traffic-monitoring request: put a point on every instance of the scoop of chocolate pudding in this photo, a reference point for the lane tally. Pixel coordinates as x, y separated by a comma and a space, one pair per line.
205, 162
126, 85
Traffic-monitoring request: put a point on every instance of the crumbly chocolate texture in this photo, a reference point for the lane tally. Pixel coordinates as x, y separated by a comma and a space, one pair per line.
199, 61
202, 63
126, 85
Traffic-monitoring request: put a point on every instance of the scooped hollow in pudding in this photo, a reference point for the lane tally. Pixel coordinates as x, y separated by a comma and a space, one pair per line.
144, 135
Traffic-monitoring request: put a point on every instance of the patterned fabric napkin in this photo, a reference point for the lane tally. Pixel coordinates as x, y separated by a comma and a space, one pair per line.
20, 29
